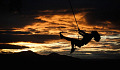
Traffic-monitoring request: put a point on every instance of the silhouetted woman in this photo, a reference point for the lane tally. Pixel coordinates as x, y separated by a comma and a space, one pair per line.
85, 40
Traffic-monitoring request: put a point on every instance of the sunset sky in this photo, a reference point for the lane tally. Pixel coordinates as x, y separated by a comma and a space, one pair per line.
38, 24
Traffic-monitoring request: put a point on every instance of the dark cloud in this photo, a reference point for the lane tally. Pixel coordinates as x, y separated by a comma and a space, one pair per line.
111, 46
39, 20
98, 16
7, 46
104, 11
14, 32
64, 4
14, 21
3, 29
33, 30
115, 46
5, 38
56, 27
54, 47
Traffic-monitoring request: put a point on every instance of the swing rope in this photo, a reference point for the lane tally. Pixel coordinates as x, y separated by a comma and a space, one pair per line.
74, 15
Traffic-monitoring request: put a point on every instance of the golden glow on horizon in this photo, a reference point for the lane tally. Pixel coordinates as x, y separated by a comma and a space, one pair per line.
41, 47
54, 47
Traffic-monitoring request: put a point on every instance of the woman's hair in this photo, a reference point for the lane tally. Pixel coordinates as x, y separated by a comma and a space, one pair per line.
96, 36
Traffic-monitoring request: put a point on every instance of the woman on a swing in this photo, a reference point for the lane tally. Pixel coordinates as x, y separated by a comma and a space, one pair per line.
85, 40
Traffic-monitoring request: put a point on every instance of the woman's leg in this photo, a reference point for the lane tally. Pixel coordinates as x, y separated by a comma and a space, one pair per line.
72, 49
72, 42
67, 38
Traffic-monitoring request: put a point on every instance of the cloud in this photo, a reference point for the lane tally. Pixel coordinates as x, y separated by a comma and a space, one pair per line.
98, 17
14, 21
103, 12
6, 46
33, 30
14, 32
111, 46
115, 46
5, 38
4, 29
54, 47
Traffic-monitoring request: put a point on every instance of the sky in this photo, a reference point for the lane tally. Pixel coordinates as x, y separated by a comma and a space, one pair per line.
99, 11
39, 22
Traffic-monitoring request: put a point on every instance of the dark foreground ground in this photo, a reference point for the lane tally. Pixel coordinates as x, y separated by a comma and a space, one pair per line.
29, 58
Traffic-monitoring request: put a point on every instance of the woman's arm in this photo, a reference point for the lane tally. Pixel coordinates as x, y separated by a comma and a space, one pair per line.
81, 32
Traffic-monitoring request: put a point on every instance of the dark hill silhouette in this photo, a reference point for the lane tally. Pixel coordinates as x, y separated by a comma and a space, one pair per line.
29, 58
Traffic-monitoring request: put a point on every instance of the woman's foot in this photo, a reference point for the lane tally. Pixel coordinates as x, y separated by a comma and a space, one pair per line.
61, 36
72, 50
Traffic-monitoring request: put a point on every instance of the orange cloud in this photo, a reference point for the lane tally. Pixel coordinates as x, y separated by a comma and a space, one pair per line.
57, 22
